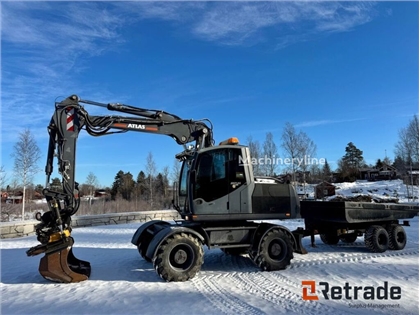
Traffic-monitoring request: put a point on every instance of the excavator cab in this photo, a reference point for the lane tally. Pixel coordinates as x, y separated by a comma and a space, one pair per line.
218, 184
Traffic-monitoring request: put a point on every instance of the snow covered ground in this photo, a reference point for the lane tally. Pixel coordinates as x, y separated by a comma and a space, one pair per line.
380, 190
123, 283
386, 189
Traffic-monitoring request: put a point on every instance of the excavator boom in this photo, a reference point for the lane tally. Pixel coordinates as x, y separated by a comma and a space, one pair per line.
70, 117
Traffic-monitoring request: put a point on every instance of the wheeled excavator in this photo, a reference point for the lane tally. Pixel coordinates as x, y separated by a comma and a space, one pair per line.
217, 197
221, 203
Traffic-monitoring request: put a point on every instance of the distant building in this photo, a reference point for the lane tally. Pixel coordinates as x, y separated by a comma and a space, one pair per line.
101, 193
324, 189
12, 198
385, 172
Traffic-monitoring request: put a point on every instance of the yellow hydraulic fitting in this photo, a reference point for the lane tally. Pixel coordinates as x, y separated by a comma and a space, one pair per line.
58, 236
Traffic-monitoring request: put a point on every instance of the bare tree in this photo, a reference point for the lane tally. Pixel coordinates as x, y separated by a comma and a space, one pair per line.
270, 151
150, 172
299, 148
92, 182
175, 172
290, 144
255, 152
26, 154
165, 174
413, 131
407, 147
3, 177
408, 142
8, 209
307, 150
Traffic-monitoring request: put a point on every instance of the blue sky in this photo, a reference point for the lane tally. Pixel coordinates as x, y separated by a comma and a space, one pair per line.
339, 71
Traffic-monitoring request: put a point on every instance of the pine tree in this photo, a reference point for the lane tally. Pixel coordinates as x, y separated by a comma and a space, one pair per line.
123, 185
159, 186
117, 184
350, 163
326, 171
353, 157
127, 187
141, 185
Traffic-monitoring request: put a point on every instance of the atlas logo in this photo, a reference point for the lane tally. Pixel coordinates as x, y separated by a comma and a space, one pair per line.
348, 292
136, 126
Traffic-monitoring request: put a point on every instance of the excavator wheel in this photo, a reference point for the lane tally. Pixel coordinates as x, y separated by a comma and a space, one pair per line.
62, 266
179, 257
275, 251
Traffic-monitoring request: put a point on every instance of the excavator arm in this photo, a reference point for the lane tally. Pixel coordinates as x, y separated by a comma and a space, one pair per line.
69, 118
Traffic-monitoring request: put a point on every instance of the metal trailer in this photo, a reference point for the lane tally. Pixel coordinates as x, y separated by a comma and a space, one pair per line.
378, 222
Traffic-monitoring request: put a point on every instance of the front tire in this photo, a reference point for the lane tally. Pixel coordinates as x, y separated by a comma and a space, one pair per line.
275, 251
179, 258
376, 239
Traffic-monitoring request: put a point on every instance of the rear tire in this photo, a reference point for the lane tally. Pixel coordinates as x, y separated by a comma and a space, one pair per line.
179, 258
329, 238
397, 237
275, 252
348, 238
376, 239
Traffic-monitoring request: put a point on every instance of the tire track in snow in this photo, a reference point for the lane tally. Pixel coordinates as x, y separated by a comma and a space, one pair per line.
262, 287
351, 257
218, 262
252, 281
269, 286
238, 263
221, 298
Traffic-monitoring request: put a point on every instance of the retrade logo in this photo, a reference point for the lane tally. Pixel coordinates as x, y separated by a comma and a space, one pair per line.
308, 290
348, 292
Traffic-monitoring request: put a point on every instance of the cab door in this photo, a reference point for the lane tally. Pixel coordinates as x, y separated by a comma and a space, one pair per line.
218, 181
237, 182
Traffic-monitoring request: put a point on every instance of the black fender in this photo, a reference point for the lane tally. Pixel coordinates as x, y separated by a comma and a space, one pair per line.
166, 232
265, 228
135, 240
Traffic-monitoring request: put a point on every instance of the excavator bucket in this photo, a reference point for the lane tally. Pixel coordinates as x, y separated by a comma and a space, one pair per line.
59, 263
63, 266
